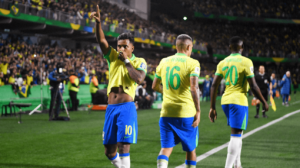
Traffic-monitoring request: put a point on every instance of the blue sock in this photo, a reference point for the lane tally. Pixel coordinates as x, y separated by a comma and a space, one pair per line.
114, 157
124, 154
236, 135
162, 161
190, 163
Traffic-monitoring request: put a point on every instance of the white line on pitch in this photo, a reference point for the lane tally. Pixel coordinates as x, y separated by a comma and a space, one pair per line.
296, 102
217, 149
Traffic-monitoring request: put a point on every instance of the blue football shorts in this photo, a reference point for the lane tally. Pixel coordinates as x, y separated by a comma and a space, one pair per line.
175, 130
120, 124
237, 115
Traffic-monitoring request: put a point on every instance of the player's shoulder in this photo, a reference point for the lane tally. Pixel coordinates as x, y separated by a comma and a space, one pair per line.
192, 60
139, 59
245, 59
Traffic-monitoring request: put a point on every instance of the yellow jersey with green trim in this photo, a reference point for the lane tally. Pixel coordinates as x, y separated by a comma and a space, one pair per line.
235, 69
175, 72
118, 73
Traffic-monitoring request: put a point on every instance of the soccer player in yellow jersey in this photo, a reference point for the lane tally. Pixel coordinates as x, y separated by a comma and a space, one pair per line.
126, 72
236, 70
180, 113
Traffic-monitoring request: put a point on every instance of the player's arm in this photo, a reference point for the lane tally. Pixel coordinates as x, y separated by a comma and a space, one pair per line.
195, 94
99, 32
156, 85
213, 95
256, 91
137, 75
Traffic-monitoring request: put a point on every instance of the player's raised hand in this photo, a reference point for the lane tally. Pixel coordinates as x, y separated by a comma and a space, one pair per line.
212, 115
96, 15
196, 120
122, 56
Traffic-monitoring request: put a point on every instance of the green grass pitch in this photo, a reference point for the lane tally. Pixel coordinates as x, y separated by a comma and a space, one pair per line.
38, 143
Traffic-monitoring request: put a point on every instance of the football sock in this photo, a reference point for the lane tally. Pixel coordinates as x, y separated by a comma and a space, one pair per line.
162, 161
237, 162
233, 149
190, 164
257, 108
125, 160
116, 161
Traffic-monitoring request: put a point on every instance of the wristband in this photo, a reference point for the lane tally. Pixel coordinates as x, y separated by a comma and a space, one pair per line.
126, 61
97, 21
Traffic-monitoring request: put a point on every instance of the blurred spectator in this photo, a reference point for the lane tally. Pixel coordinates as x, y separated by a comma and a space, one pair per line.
144, 99
206, 88
286, 88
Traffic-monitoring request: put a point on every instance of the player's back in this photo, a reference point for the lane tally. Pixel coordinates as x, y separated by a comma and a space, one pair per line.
175, 72
235, 69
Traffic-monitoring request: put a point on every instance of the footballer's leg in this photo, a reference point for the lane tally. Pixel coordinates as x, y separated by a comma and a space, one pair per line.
163, 157
238, 120
190, 161
237, 162
124, 149
234, 147
127, 131
113, 155
167, 140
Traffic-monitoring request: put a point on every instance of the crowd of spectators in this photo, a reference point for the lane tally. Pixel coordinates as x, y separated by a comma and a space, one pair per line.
22, 62
246, 8
78, 11
261, 40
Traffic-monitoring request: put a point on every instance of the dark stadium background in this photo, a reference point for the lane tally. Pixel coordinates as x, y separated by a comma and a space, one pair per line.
35, 35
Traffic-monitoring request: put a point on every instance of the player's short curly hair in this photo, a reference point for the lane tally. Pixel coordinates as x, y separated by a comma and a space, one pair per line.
125, 36
184, 37
235, 40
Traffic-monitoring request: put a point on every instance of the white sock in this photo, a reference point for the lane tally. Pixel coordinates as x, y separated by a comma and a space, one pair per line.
125, 160
162, 161
116, 161
237, 162
233, 150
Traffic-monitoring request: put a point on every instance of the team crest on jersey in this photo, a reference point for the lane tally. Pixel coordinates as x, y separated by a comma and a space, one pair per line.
197, 70
143, 66
251, 69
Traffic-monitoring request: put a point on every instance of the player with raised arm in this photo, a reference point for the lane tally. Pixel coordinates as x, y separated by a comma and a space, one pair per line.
236, 70
125, 73
180, 113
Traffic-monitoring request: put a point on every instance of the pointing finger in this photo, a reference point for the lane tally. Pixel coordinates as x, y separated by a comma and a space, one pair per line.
98, 11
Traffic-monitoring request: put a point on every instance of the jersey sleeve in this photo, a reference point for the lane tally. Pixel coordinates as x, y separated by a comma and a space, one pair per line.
158, 70
249, 69
195, 69
141, 65
111, 55
219, 70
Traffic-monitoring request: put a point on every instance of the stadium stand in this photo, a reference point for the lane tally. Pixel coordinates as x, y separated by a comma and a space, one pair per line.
21, 59
246, 8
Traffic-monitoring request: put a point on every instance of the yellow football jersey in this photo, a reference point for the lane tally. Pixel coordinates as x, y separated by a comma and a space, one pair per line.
175, 72
118, 73
235, 69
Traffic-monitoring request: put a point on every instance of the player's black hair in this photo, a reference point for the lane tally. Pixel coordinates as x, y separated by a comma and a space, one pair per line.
125, 36
235, 40
184, 37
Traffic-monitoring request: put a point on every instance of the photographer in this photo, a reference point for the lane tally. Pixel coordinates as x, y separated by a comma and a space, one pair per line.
56, 78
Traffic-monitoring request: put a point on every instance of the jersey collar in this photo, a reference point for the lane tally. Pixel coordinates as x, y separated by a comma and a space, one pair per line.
180, 54
132, 57
235, 54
